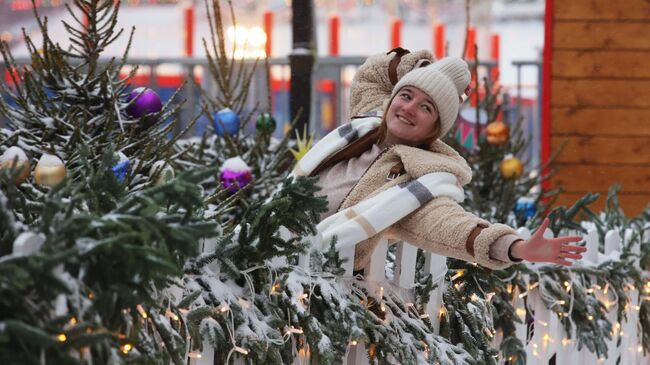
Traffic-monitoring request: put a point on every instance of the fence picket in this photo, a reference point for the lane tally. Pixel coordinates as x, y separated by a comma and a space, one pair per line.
540, 348
206, 357
612, 242
592, 246
435, 265
405, 261
376, 269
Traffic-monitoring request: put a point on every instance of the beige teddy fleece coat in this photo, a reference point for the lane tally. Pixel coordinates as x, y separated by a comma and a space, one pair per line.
441, 225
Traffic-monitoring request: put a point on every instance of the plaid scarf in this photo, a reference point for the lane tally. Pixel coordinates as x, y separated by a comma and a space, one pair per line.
371, 216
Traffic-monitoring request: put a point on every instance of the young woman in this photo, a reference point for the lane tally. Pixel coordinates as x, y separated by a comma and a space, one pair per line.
392, 177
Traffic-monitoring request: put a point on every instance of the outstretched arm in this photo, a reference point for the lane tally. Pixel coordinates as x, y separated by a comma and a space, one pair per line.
554, 250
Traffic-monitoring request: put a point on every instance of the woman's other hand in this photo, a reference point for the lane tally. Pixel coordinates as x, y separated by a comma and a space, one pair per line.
554, 250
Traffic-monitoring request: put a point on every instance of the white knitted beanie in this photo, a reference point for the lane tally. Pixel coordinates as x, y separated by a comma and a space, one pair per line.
444, 81
371, 85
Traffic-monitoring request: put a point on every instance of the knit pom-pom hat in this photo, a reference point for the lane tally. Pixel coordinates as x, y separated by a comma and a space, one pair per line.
444, 81
372, 83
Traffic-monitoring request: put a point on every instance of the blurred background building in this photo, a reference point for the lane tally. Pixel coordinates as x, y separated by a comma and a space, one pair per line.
596, 46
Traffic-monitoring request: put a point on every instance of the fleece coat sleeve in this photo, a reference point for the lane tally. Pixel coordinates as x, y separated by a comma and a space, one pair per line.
442, 226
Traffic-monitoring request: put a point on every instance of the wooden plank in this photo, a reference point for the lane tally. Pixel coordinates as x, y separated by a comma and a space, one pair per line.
602, 9
601, 93
604, 150
596, 63
632, 204
600, 122
593, 177
601, 35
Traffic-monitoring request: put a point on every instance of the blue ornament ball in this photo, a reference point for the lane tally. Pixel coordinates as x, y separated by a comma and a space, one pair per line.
226, 122
526, 207
121, 168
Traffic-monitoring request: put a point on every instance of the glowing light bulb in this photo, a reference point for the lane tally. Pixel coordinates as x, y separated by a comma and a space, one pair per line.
458, 275
141, 310
241, 350
256, 37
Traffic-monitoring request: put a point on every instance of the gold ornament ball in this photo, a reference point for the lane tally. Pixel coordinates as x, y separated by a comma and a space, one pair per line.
21, 163
511, 168
49, 171
497, 133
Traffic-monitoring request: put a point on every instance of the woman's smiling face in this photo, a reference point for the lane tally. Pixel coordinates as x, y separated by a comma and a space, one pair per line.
411, 117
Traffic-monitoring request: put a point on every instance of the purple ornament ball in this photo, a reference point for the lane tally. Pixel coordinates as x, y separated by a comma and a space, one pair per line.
146, 102
235, 174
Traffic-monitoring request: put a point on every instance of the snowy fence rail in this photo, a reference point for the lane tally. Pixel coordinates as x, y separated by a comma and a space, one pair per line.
540, 331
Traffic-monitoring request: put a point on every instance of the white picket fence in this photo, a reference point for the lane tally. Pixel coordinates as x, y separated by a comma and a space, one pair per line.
548, 339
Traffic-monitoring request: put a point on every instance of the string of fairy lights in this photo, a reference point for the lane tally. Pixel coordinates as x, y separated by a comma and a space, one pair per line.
384, 299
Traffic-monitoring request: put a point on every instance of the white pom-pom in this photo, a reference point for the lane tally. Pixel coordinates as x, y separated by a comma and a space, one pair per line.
235, 164
11, 153
122, 157
48, 160
27, 243
22, 164
162, 172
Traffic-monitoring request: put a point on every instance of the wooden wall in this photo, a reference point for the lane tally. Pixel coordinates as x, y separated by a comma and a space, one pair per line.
600, 99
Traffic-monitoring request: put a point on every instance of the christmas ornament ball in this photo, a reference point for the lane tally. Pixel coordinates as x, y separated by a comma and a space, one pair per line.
265, 123
121, 168
497, 133
525, 207
49, 171
235, 174
511, 168
143, 101
226, 122
21, 163
161, 172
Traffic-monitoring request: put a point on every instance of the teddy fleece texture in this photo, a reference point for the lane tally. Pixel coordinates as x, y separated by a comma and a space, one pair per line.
371, 85
441, 225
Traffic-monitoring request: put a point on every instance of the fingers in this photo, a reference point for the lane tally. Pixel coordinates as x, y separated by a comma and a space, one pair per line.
566, 255
563, 262
577, 249
545, 223
543, 226
568, 239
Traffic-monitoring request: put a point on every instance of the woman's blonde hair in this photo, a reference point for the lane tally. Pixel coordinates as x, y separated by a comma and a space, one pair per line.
383, 128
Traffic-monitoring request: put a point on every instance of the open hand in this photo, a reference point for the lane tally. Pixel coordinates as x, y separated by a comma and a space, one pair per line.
554, 250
